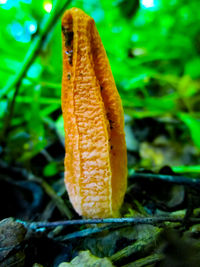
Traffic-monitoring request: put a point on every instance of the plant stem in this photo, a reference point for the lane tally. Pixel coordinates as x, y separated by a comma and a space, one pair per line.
35, 47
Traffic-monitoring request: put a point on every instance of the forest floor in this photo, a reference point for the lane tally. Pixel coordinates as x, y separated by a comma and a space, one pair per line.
160, 217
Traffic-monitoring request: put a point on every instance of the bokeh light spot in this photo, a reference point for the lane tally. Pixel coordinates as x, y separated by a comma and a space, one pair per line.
31, 26
148, 3
3, 1
20, 33
48, 6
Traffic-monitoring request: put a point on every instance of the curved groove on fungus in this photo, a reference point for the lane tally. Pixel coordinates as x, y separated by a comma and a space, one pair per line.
95, 161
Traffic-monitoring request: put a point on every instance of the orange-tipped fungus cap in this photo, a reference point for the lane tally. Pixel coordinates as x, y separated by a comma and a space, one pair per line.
96, 158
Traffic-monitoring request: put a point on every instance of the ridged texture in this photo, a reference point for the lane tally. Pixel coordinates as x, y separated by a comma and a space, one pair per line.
95, 160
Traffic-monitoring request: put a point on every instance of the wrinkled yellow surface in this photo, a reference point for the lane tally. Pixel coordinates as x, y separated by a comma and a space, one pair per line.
95, 160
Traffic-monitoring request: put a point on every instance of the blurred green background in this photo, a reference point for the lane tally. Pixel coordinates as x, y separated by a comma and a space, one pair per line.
153, 47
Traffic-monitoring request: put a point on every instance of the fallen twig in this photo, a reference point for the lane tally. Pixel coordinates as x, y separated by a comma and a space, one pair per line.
147, 220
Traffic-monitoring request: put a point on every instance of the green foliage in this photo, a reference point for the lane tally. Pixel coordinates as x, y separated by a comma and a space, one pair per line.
193, 125
153, 48
51, 169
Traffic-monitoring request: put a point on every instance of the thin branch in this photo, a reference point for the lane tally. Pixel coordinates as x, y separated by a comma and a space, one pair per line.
181, 180
132, 221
